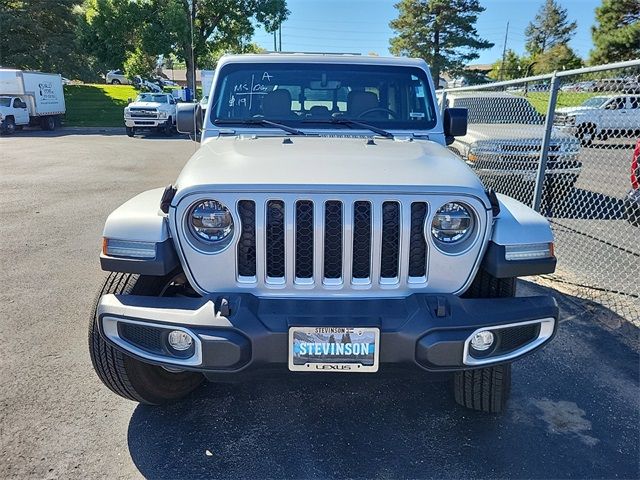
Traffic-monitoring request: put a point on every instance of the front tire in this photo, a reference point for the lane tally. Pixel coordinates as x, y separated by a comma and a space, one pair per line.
124, 375
115, 81
8, 126
130, 131
486, 389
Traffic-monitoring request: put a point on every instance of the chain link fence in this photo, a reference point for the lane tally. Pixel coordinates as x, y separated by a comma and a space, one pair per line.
567, 144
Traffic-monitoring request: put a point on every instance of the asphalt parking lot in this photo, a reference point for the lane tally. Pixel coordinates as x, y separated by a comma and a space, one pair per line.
574, 413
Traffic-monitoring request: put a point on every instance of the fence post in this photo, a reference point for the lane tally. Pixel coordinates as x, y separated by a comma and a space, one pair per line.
544, 150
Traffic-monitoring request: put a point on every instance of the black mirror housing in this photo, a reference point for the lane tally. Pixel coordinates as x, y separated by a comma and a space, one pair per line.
188, 118
455, 123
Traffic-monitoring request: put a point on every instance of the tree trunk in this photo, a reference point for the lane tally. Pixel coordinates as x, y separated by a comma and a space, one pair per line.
435, 68
191, 68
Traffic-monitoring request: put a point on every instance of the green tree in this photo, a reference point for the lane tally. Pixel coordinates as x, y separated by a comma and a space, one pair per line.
140, 63
513, 66
218, 25
40, 35
558, 57
549, 27
616, 34
109, 30
442, 32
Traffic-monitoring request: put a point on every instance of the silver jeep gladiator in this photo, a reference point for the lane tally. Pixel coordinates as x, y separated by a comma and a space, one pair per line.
322, 227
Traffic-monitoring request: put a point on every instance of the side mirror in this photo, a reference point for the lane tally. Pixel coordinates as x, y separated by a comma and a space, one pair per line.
455, 123
188, 118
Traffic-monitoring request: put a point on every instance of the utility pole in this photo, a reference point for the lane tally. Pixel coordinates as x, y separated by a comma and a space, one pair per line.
280, 37
275, 45
504, 51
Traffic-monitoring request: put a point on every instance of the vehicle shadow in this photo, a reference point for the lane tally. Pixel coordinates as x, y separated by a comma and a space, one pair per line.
364, 426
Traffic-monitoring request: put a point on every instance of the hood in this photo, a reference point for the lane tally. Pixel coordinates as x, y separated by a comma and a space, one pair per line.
513, 132
579, 109
5, 110
146, 104
294, 163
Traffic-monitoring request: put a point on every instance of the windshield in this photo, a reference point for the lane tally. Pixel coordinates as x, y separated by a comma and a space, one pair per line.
311, 95
499, 110
149, 97
5, 101
595, 102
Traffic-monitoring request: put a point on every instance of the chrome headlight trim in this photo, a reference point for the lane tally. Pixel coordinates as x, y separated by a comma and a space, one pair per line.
220, 220
461, 244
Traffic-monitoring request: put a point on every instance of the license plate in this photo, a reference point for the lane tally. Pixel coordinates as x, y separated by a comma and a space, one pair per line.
333, 349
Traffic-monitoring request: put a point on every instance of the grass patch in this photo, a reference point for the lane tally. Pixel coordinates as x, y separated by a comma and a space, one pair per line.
95, 105
540, 100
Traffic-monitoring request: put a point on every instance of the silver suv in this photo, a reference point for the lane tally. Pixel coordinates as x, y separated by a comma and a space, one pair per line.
322, 226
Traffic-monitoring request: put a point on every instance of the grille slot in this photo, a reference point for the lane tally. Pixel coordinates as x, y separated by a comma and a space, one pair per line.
304, 239
390, 240
361, 268
147, 338
333, 239
247, 244
515, 337
275, 239
418, 245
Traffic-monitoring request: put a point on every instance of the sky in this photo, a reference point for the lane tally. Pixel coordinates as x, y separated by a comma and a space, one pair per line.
362, 26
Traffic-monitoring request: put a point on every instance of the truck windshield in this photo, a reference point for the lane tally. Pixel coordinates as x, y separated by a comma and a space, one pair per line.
149, 97
5, 101
595, 102
311, 95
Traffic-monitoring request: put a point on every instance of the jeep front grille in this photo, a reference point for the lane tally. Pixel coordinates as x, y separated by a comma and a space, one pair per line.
333, 242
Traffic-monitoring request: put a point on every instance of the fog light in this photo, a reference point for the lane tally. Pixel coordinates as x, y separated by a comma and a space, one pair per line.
482, 341
180, 340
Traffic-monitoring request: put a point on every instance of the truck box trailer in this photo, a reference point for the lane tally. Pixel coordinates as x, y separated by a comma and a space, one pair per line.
30, 98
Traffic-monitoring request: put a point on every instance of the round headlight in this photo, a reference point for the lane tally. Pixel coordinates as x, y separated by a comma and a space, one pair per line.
452, 223
211, 221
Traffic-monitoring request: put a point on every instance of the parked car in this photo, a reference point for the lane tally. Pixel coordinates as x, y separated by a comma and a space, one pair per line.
614, 85
30, 98
503, 144
146, 84
151, 111
116, 77
601, 117
585, 86
633, 199
322, 226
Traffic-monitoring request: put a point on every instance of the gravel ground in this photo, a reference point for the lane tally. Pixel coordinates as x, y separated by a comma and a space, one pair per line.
574, 413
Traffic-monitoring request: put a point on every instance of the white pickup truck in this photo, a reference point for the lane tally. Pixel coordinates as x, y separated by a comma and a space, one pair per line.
30, 98
151, 111
601, 117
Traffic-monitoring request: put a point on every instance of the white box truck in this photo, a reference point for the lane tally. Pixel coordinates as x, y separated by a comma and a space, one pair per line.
30, 98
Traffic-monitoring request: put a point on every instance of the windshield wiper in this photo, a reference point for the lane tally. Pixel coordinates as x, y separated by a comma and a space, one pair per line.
258, 121
348, 122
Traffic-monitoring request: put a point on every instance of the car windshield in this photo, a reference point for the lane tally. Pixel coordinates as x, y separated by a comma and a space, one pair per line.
149, 97
314, 95
595, 102
5, 101
499, 110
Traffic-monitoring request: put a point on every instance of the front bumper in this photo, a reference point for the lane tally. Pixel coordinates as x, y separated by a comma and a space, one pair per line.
242, 333
145, 122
